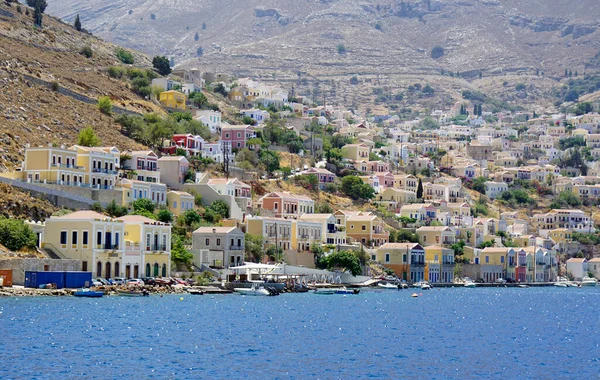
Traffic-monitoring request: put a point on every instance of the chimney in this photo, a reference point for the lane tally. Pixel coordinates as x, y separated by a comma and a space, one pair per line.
214, 230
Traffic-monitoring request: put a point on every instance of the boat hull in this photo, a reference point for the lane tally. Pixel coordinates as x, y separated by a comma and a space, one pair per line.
252, 292
89, 294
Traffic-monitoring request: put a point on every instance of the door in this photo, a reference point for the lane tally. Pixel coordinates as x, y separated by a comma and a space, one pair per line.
156, 270
147, 270
164, 270
108, 267
128, 271
117, 269
136, 271
108, 241
99, 269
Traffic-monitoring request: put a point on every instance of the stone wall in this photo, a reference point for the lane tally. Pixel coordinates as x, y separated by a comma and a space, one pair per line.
20, 266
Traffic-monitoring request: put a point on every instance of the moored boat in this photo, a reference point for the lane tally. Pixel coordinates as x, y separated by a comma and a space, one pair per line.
196, 292
387, 285
589, 281
426, 286
470, 284
347, 291
256, 290
88, 293
132, 293
324, 291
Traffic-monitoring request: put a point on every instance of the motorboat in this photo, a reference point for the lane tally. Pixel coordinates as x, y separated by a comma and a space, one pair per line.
132, 293
256, 290
522, 286
387, 285
589, 281
561, 284
426, 286
324, 291
347, 291
470, 284
88, 293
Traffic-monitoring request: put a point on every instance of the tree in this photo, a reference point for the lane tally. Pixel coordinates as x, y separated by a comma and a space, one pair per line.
344, 260
429, 123
203, 25
420, 189
199, 52
164, 215
15, 234
437, 52
196, 37
87, 137
143, 204
77, 23
162, 65
220, 89
180, 255
355, 188
86, 51
105, 105
220, 208
254, 248
428, 90
39, 6
479, 184
115, 210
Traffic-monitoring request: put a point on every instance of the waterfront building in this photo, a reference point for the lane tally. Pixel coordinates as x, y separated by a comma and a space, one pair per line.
222, 246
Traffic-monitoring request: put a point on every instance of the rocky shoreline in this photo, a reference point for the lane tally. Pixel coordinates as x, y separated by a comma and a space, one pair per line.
108, 290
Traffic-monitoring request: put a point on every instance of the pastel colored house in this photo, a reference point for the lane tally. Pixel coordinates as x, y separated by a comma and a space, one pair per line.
276, 231
331, 232
393, 198
578, 267
189, 143
237, 135
225, 246
53, 165
286, 205
100, 164
356, 152
173, 99
212, 119
366, 228
144, 165
179, 202
407, 260
93, 238
147, 246
439, 264
134, 190
494, 189
325, 176
436, 235
173, 170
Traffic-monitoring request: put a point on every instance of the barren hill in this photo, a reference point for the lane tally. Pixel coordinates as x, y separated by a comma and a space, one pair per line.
385, 41
34, 112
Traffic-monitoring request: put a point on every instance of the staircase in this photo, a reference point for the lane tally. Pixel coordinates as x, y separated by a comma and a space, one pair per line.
50, 253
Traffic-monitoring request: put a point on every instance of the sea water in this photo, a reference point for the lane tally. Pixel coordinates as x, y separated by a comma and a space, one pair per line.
508, 333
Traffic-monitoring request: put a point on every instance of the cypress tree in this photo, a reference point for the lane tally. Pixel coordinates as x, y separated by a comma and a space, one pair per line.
77, 23
420, 189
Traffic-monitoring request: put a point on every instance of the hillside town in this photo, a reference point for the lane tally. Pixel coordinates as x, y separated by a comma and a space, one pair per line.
493, 196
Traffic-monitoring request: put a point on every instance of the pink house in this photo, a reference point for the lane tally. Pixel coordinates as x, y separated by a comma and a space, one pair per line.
374, 166
324, 176
237, 135
386, 179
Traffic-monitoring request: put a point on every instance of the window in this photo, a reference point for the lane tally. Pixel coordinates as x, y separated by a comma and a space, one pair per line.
487, 259
174, 204
364, 228
387, 257
84, 266
218, 241
502, 259
352, 226
477, 260
99, 238
74, 238
239, 145
239, 135
207, 241
63, 237
226, 135
85, 238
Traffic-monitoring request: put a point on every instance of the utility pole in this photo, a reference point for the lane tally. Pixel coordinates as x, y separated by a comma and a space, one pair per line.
226, 159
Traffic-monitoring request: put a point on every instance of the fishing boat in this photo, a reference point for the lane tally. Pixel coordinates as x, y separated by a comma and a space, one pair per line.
324, 291
387, 285
589, 281
196, 292
256, 290
88, 293
132, 293
470, 284
346, 291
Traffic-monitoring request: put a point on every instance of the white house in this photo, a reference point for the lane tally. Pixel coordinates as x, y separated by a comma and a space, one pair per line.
493, 189
210, 118
578, 267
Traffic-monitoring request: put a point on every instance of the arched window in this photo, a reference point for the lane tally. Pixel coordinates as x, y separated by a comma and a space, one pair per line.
107, 271
164, 270
156, 270
99, 269
117, 269
147, 270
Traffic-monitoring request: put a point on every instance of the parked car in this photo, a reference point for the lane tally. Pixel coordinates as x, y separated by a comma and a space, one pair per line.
117, 281
510, 281
103, 281
500, 281
135, 281
149, 280
94, 282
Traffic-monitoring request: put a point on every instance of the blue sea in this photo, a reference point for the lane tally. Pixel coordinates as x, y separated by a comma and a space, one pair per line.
457, 333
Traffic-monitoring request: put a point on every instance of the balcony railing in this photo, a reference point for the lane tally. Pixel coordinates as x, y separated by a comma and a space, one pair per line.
236, 248
67, 166
156, 248
104, 171
147, 169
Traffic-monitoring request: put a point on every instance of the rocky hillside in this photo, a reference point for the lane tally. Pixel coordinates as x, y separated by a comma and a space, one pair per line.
34, 111
383, 42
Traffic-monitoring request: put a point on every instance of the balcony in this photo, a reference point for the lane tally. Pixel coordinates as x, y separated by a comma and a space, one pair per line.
156, 248
303, 236
67, 166
104, 171
236, 248
148, 169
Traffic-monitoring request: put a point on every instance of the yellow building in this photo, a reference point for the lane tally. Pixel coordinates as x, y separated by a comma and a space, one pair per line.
356, 152
364, 227
93, 238
147, 247
436, 235
393, 198
439, 264
173, 99
179, 202
53, 165
561, 235
99, 164
405, 259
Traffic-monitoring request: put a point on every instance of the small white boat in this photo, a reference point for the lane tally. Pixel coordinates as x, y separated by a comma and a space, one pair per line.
426, 286
470, 284
589, 281
255, 290
387, 285
325, 291
522, 286
561, 284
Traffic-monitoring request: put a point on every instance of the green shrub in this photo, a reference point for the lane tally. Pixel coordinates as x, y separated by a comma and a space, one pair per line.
86, 51
105, 105
116, 72
15, 234
55, 86
124, 56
